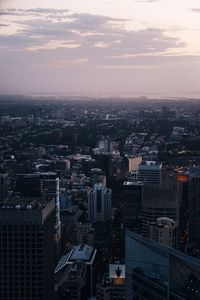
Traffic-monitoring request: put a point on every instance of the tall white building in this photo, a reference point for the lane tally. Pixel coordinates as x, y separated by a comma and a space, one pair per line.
150, 172
99, 203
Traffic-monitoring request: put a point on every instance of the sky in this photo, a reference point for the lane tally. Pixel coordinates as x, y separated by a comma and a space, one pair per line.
97, 48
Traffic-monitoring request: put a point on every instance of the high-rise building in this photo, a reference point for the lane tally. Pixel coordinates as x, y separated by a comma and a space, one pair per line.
27, 249
3, 187
99, 203
29, 185
194, 210
104, 162
43, 185
182, 186
157, 203
154, 271
132, 199
150, 172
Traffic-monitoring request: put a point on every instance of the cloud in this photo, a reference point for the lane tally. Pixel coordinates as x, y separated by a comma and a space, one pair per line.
82, 38
46, 10
197, 10
146, 1
58, 50
32, 11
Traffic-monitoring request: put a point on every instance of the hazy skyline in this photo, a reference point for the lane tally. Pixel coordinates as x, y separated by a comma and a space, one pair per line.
129, 47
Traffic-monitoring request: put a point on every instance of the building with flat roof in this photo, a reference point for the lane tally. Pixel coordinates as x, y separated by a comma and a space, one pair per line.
27, 249
158, 202
81, 253
150, 172
132, 199
43, 185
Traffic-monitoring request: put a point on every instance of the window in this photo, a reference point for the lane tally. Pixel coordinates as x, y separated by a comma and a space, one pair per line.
99, 208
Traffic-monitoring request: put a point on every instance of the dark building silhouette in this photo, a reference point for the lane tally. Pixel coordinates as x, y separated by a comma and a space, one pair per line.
132, 199
194, 211
27, 249
183, 190
158, 202
104, 162
3, 187
30, 185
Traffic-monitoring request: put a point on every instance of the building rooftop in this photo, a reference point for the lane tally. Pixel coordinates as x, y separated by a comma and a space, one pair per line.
150, 164
154, 194
79, 253
24, 203
82, 252
25, 210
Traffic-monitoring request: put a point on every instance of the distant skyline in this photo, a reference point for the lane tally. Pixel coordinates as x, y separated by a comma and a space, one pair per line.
108, 47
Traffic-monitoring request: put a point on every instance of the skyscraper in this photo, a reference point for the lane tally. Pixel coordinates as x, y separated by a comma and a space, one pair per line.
158, 202
99, 203
154, 271
132, 199
27, 249
104, 162
194, 210
43, 185
150, 172
182, 180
